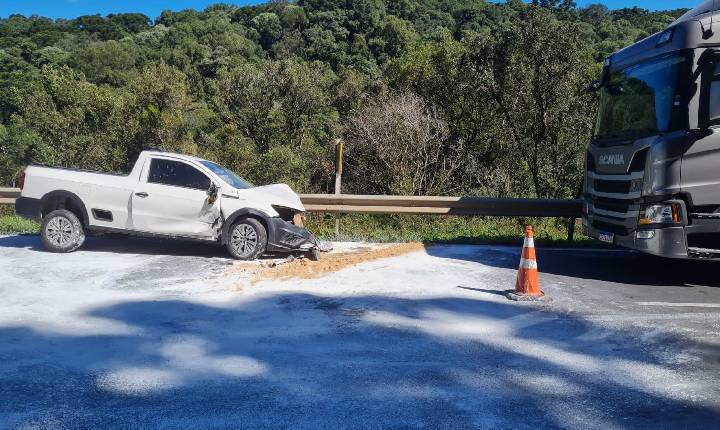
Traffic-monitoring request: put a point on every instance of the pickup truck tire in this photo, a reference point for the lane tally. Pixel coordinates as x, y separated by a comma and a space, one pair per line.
247, 239
62, 231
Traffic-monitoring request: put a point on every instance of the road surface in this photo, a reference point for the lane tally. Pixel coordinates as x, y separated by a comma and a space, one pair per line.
139, 333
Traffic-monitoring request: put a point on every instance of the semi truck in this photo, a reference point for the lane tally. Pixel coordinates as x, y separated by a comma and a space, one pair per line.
652, 177
166, 195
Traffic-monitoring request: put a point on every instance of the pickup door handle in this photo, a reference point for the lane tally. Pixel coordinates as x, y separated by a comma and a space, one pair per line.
143, 195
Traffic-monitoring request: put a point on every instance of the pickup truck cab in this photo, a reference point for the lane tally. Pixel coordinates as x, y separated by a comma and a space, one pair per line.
168, 195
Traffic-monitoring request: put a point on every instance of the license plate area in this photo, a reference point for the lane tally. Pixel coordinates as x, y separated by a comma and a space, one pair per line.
606, 236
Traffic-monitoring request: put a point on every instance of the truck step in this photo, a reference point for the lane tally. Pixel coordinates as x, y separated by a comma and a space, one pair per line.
704, 253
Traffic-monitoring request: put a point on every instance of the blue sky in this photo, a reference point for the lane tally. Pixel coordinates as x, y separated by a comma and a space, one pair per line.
152, 8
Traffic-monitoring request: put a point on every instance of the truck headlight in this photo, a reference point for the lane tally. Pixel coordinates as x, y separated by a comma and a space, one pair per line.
666, 213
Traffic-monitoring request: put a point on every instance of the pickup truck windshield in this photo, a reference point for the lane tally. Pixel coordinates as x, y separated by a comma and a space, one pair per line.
227, 175
643, 99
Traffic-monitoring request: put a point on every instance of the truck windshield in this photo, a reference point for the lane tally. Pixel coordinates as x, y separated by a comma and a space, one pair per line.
643, 99
227, 176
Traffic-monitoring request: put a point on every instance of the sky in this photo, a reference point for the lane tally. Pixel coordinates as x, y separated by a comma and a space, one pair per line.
152, 8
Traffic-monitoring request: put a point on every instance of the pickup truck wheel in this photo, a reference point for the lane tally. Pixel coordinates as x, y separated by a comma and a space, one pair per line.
247, 240
62, 231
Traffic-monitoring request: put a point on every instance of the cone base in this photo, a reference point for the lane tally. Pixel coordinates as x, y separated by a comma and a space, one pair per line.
519, 297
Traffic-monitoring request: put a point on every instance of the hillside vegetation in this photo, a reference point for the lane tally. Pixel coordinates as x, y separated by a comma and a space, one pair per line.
430, 96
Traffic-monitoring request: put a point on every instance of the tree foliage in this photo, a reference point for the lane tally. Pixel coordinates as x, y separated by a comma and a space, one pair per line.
432, 97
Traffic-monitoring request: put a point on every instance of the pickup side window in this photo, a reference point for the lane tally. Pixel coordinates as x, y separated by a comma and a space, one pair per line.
177, 174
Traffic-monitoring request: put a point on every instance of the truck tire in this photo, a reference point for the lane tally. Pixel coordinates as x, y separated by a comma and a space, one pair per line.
247, 239
62, 231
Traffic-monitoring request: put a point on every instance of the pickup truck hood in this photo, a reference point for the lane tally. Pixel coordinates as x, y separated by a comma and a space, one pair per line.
277, 194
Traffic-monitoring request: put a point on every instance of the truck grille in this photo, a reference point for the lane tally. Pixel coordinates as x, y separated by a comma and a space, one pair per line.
614, 228
611, 205
613, 198
604, 186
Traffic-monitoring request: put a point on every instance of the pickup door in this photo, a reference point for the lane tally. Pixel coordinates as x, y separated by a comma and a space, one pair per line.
171, 199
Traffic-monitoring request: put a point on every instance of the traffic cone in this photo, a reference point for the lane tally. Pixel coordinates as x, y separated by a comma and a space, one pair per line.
527, 286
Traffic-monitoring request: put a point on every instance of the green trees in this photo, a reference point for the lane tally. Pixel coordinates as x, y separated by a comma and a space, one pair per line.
438, 97
63, 117
539, 72
281, 112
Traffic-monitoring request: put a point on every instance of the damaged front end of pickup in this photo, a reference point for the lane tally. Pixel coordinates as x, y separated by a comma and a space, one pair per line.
279, 210
286, 233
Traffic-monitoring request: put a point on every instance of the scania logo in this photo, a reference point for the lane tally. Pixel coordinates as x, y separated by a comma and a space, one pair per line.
611, 159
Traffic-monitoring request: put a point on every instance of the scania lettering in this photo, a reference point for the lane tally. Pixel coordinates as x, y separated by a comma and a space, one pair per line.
611, 159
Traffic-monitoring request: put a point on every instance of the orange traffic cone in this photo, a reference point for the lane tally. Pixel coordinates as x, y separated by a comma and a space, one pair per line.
527, 286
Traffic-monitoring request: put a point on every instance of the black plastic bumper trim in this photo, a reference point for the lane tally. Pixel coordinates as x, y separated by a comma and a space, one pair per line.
27, 207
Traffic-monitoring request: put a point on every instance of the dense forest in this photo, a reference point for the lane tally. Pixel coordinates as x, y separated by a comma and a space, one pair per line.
429, 96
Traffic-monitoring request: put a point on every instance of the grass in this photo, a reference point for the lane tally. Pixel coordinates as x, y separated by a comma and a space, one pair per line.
445, 229
9, 223
400, 228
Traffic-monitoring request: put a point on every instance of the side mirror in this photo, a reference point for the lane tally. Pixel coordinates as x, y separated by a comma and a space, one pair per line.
212, 193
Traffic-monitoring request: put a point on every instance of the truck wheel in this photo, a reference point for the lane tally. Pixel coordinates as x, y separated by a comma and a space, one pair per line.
62, 231
247, 240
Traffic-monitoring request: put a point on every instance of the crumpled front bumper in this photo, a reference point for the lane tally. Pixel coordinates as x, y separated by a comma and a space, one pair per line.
284, 236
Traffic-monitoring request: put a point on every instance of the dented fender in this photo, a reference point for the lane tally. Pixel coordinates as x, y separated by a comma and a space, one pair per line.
230, 220
281, 235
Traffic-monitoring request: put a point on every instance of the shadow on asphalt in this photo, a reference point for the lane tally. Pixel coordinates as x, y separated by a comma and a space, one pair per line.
315, 361
613, 265
126, 245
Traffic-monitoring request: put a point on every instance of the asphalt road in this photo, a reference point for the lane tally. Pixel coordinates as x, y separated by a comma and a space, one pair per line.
136, 333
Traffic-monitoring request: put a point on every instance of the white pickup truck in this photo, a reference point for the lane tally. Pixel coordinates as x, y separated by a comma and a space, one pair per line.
168, 195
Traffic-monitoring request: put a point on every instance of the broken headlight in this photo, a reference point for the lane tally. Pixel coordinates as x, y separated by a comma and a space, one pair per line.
286, 214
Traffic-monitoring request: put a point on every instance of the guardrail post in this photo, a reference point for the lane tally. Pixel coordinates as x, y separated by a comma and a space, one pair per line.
571, 229
338, 179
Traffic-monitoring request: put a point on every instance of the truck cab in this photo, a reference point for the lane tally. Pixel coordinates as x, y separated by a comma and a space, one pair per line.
652, 180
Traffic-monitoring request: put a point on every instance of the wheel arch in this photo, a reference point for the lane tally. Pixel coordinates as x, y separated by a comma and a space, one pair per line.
61, 199
244, 213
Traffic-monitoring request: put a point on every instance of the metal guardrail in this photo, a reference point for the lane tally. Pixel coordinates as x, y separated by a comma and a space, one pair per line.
8, 195
436, 205
419, 205
422, 205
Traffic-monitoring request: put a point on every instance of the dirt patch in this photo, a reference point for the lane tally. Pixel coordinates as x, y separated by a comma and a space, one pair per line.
329, 262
